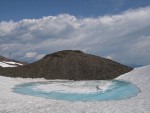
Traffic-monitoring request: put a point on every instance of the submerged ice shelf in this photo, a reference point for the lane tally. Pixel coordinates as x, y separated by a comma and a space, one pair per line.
79, 90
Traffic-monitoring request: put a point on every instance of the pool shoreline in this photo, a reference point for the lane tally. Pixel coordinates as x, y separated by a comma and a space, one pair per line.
74, 97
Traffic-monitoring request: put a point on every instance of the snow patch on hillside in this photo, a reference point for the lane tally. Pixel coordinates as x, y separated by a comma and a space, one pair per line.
12, 63
3, 64
9, 64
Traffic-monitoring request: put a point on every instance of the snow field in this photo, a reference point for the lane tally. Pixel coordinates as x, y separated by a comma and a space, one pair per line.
11, 102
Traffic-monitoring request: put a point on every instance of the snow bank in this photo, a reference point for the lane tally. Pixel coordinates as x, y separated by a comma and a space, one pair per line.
11, 102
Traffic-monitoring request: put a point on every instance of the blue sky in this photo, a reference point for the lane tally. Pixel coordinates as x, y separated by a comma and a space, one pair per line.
114, 29
20, 9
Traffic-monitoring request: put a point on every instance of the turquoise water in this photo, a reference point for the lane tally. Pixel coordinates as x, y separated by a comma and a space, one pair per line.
117, 91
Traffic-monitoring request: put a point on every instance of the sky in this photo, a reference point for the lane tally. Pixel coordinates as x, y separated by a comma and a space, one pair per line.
114, 29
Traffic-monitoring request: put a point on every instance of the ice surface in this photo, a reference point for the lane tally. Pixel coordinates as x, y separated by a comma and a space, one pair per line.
11, 102
74, 87
72, 91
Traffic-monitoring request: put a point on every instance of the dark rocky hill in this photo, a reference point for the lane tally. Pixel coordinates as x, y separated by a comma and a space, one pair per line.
69, 64
3, 58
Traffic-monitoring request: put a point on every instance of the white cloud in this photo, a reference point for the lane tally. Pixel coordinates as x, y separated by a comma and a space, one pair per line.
40, 56
30, 54
125, 36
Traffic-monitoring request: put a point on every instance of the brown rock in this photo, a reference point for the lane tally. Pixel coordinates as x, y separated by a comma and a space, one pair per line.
69, 64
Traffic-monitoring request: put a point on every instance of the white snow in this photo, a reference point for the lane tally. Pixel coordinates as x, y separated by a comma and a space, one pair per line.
11, 62
3, 64
74, 87
11, 102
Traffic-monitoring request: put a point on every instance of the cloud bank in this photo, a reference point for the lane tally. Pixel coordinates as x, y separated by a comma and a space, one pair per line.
124, 37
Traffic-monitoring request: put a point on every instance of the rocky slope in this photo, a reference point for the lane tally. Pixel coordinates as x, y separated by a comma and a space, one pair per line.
69, 64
